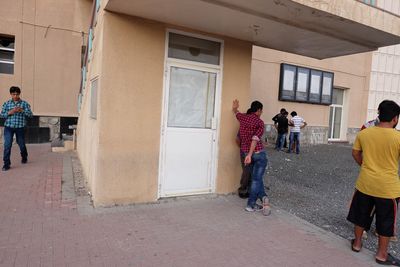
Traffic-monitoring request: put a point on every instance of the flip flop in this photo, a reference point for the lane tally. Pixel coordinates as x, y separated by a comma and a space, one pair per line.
390, 260
352, 248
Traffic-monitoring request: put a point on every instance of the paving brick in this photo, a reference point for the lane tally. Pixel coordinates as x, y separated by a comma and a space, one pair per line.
40, 228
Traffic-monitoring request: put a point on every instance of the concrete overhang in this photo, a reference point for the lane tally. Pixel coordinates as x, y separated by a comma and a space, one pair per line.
319, 29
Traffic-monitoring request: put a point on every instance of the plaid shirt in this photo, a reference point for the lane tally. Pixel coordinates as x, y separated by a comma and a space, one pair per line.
17, 120
251, 128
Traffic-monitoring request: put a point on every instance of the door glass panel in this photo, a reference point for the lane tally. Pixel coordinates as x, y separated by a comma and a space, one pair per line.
337, 97
336, 125
191, 98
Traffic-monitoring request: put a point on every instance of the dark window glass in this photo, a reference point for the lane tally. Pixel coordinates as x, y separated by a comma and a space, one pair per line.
193, 49
7, 50
6, 68
300, 84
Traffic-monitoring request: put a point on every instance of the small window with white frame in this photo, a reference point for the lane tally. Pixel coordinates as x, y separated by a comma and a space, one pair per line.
193, 49
93, 97
301, 84
7, 51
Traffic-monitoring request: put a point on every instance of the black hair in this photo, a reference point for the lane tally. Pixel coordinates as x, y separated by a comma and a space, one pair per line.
15, 89
383, 103
283, 110
388, 109
293, 113
249, 111
255, 106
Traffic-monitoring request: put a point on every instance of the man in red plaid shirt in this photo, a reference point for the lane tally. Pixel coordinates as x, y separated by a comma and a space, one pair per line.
251, 131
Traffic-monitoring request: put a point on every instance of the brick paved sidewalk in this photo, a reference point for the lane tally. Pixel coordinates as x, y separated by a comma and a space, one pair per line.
39, 227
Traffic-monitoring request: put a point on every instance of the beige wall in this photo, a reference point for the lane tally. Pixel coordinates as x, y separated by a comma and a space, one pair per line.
47, 59
236, 85
351, 72
88, 128
120, 150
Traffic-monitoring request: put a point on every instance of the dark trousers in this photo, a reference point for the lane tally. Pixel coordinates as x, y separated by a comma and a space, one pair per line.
8, 139
284, 141
245, 180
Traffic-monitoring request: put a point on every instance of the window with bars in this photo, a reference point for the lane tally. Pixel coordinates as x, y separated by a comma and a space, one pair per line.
300, 84
7, 51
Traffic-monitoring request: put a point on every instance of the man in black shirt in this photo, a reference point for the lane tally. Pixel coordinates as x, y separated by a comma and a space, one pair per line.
276, 124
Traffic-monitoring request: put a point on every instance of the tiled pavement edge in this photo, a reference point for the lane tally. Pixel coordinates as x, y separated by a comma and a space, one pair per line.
39, 226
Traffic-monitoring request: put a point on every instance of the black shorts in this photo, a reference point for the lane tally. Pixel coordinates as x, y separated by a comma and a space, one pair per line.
362, 210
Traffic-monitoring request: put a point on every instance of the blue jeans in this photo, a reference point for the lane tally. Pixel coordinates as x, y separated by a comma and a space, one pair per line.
8, 139
257, 191
281, 141
294, 137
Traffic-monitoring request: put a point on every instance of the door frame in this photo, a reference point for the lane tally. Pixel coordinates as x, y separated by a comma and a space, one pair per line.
343, 119
172, 62
333, 122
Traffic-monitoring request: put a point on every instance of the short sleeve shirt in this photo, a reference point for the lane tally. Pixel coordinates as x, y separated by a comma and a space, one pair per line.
297, 123
379, 170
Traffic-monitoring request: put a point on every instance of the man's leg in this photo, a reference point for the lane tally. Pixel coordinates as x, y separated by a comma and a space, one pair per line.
281, 137
285, 141
19, 132
386, 214
358, 232
361, 207
290, 142
8, 138
257, 185
297, 143
277, 141
245, 180
383, 244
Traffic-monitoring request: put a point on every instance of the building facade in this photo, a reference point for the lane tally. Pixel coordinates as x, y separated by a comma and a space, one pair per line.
385, 69
155, 115
41, 52
337, 120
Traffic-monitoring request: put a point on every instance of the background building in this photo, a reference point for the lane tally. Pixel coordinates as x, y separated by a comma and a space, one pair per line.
337, 119
385, 69
41, 44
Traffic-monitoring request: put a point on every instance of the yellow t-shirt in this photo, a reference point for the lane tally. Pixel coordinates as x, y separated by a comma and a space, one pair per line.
379, 170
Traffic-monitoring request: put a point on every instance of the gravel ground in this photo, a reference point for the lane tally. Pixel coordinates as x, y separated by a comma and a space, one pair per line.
317, 186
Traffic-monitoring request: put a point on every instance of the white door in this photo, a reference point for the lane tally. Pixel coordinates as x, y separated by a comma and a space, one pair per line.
189, 130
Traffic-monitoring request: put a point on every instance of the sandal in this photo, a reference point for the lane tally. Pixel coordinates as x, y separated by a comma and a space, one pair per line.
390, 260
352, 246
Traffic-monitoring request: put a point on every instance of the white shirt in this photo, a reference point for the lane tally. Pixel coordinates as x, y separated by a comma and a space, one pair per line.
297, 122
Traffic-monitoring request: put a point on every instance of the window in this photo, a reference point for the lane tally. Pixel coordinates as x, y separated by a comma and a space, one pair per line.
7, 50
300, 84
90, 43
193, 49
93, 98
98, 3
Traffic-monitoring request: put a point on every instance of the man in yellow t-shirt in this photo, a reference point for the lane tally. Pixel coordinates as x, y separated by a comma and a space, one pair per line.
377, 151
